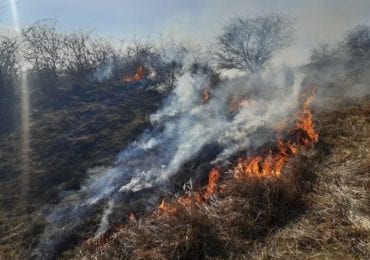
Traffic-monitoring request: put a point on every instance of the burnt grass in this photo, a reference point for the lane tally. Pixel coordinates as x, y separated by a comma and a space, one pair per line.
317, 209
68, 137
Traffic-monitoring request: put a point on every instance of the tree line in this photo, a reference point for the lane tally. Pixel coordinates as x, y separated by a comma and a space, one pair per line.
64, 64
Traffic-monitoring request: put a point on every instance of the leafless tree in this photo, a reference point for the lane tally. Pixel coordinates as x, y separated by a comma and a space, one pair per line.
84, 53
323, 54
78, 53
8, 58
145, 54
358, 41
173, 54
44, 46
249, 44
8, 70
101, 51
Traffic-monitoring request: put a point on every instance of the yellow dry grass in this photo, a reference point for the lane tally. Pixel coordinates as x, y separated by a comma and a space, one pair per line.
318, 209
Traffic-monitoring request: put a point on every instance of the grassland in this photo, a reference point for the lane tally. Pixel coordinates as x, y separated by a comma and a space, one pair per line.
318, 209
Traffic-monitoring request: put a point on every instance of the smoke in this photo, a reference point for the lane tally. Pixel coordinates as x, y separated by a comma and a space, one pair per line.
103, 72
104, 223
341, 74
182, 128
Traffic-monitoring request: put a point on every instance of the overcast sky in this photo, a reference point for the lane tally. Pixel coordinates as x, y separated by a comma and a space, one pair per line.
195, 21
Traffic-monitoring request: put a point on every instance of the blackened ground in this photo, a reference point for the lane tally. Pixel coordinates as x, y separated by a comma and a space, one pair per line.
318, 209
66, 139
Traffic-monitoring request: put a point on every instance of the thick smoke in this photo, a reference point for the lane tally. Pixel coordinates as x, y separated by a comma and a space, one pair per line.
181, 129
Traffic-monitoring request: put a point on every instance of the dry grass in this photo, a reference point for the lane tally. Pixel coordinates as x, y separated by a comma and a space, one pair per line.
337, 224
234, 221
318, 209
65, 143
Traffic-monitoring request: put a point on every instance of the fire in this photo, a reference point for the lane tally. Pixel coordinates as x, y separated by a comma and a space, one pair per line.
194, 199
268, 165
163, 205
237, 103
213, 178
137, 76
167, 208
271, 164
205, 96
305, 123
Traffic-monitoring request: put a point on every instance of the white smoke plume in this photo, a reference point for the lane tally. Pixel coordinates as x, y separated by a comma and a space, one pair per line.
181, 129
103, 72
104, 223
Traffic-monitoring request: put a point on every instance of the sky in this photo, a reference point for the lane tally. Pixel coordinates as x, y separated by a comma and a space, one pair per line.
195, 21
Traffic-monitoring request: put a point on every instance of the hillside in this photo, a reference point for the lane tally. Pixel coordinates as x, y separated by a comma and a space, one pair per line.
65, 143
252, 143
319, 208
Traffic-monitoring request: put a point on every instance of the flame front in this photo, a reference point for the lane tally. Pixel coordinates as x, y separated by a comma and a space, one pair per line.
213, 178
272, 163
267, 165
305, 123
195, 198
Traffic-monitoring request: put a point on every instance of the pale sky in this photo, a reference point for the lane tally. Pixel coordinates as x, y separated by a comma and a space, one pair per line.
195, 21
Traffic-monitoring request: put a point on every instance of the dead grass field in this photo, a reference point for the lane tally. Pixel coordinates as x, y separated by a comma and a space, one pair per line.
318, 209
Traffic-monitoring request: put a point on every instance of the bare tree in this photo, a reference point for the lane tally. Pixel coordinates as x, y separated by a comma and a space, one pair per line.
358, 41
8, 58
8, 71
249, 44
78, 53
44, 47
323, 54
145, 56
101, 51
173, 54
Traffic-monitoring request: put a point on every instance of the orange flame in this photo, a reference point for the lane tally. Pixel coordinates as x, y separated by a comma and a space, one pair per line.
213, 179
163, 205
206, 95
167, 208
196, 198
305, 123
272, 163
267, 165
137, 76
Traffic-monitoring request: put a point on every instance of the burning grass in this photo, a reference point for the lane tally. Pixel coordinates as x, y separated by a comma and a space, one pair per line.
267, 165
272, 163
244, 211
138, 75
318, 207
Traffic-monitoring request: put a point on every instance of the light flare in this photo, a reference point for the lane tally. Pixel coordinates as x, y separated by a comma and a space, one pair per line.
25, 107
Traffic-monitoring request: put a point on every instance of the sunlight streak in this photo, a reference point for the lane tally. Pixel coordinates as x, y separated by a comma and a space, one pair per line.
25, 108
